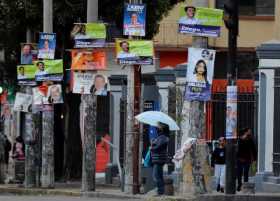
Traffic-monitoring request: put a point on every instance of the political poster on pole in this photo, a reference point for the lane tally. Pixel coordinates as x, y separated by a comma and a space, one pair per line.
26, 75
134, 19
49, 70
134, 51
29, 53
46, 45
88, 60
55, 94
23, 102
89, 35
200, 21
199, 74
231, 113
40, 96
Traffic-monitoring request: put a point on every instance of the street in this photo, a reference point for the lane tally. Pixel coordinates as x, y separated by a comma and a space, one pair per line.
54, 198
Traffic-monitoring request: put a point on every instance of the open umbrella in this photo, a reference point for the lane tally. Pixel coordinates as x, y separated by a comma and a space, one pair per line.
154, 117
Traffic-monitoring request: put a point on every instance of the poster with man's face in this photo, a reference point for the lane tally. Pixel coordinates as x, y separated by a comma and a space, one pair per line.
134, 19
46, 45
23, 102
26, 75
231, 113
49, 70
29, 53
55, 94
88, 60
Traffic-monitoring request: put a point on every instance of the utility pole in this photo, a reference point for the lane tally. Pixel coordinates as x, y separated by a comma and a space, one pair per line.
231, 8
47, 175
89, 104
197, 180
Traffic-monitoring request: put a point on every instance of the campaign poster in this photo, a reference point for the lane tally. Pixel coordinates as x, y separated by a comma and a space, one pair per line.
200, 21
49, 70
88, 60
29, 53
23, 102
26, 75
89, 35
200, 74
134, 19
40, 95
54, 95
134, 51
231, 113
46, 45
90, 83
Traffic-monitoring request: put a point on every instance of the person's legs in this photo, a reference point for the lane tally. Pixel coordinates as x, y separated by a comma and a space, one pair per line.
222, 179
239, 174
217, 176
246, 171
158, 177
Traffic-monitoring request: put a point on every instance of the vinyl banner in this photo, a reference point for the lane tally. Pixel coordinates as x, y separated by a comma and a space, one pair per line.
89, 35
200, 74
134, 19
26, 75
90, 82
46, 45
134, 51
29, 53
88, 60
23, 102
200, 21
231, 113
49, 70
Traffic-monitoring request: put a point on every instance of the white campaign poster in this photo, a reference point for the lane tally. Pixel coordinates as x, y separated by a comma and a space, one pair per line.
55, 94
231, 113
39, 96
23, 102
83, 82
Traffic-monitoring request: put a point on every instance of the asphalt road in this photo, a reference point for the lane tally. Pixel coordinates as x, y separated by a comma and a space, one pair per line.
56, 198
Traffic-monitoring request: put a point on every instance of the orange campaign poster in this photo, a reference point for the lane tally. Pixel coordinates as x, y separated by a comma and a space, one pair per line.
88, 60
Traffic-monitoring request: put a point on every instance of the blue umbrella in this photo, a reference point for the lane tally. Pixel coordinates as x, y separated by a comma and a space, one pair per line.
153, 118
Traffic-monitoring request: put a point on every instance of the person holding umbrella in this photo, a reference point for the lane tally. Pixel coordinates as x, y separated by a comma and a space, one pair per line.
159, 155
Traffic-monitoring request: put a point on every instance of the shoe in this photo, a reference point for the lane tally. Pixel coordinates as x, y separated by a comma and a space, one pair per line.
218, 188
238, 188
222, 190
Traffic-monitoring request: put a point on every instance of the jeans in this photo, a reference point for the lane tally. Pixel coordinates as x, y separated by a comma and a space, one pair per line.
158, 177
242, 170
220, 175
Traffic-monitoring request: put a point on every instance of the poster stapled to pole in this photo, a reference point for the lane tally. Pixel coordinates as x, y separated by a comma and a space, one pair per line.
88, 60
26, 75
29, 53
23, 102
49, 70
46, 45
231, 112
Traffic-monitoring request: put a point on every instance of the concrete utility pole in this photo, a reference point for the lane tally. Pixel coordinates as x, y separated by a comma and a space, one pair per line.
89, 102
196, 170
47, 175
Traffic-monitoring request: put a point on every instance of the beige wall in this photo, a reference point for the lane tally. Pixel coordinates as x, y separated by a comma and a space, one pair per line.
252, 31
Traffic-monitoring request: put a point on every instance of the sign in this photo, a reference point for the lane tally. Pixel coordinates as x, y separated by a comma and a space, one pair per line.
29, 53
200, 74
134, 51
45, 95
49, 70
200, 21
89, 35
26, 75
23, 102
134, 19
231, 113
46, 45
55, 94
89, 82
88, 60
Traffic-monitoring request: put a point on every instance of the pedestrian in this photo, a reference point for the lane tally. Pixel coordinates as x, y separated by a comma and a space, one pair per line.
246, 154
8, 147
18, 149
218, 162
159, 155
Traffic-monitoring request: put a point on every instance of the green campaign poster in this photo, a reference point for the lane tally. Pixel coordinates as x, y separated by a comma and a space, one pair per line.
51, 70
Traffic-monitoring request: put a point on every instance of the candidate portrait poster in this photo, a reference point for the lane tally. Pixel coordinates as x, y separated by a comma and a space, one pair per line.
26, 75
40, 96
231, 113
134, 51
23, 102
199, 74
200, 21
88, 60
134, 19
54, 94
89, 35
49, 70
46, 45
29, 53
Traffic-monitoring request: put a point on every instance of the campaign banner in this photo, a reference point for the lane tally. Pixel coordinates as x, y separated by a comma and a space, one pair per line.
26, 74
23, 102
88, 60
46, 45
49, 70
231, 113
200, 74
134, 22
200, 21
29, 53
134, 51
89, 35
89, 82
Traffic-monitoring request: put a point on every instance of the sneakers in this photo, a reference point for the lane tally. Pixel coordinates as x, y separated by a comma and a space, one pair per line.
238, 188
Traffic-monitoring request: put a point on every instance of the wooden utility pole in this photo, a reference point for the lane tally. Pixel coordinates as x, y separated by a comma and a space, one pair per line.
47, 175
196, 170
89, 102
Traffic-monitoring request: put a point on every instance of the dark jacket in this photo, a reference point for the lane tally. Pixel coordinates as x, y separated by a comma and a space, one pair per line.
218, 156
246, 150
159, 149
